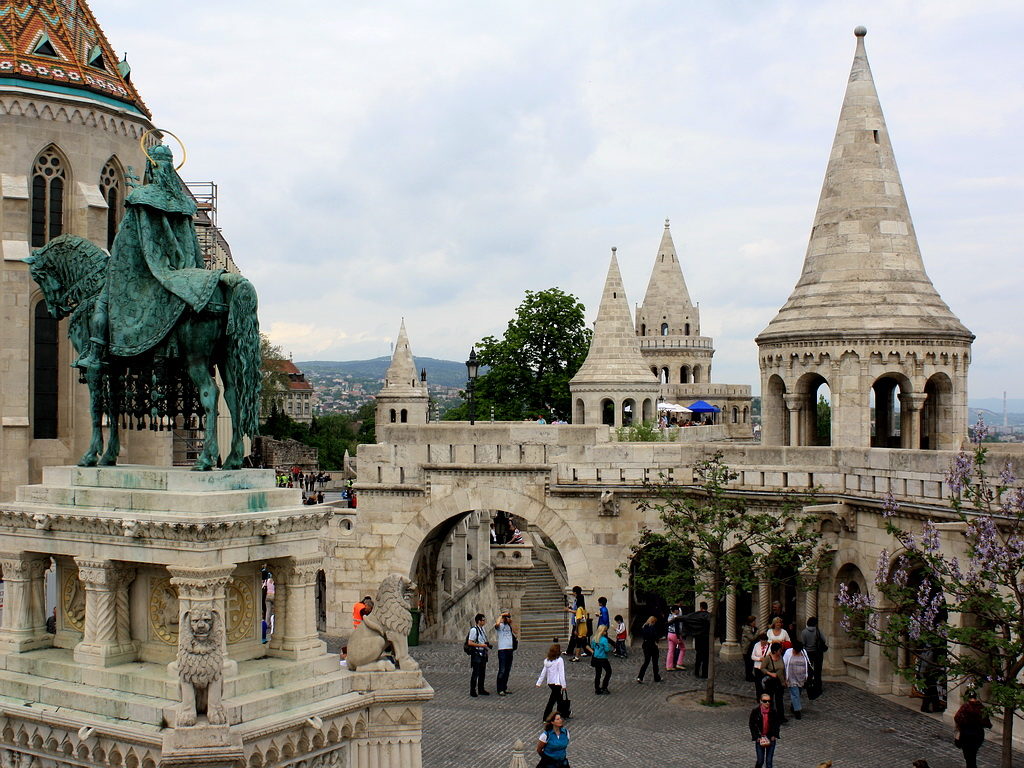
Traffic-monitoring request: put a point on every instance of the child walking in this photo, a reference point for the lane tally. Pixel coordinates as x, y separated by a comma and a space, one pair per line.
620, 638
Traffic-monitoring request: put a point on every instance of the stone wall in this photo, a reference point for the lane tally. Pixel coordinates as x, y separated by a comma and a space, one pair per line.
285, 454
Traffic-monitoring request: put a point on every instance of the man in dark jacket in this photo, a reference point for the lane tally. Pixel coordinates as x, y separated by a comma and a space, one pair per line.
764, 731
698, 624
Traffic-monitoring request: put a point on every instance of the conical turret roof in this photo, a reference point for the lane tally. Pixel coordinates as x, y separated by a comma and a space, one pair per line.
667, 286
614, 356
57, 46
863, 273
401, 378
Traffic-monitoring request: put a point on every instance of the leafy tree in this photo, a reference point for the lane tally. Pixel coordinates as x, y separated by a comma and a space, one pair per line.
824, 420
274, 381
715, 544
366, 419
968, 606
526, 372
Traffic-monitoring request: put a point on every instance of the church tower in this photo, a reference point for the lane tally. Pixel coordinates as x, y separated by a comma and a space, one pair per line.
864, 322
70, 124
403, 400
614, 386
668, 323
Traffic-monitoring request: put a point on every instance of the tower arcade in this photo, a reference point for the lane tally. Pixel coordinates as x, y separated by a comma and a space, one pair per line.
864, 320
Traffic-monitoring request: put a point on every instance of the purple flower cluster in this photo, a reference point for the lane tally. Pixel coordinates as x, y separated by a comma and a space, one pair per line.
960, 472
855, 605
930, 537
926, 613
980, 431
889, 505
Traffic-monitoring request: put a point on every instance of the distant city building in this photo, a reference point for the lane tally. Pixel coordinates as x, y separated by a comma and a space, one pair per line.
297, 396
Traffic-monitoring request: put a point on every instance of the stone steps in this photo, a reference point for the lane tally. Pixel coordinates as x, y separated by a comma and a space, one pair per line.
543, 605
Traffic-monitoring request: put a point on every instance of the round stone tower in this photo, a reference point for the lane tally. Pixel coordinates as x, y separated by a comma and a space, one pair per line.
614, 386
864, 322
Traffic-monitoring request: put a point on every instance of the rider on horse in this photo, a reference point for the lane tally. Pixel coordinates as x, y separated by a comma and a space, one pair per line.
155, 269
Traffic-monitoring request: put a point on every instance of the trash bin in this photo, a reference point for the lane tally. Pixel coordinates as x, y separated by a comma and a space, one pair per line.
414, 630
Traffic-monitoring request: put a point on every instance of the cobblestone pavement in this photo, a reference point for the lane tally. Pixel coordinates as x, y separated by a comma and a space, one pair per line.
645, 725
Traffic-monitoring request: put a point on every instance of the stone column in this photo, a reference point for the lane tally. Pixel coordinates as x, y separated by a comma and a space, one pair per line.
764, 599
910, 419
459, 559
295, 621
200, 587
731, 647
106, 640
24, 620
809, 583
794, 404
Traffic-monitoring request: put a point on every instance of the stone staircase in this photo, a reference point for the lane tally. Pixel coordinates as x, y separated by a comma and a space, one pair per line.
543, 608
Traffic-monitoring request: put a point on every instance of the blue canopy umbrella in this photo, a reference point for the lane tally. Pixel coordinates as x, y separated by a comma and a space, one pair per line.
701, 407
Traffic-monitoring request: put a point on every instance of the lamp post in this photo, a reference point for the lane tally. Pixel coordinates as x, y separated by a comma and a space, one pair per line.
472, 368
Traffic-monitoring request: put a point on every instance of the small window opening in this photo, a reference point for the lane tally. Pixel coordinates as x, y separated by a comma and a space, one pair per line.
45, 47
96, 58
876, 136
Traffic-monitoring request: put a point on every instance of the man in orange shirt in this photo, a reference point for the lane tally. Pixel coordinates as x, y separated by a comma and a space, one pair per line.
361, 608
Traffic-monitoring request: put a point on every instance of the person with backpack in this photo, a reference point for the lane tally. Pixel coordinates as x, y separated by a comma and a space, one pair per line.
798, 671
476, 640
815, 645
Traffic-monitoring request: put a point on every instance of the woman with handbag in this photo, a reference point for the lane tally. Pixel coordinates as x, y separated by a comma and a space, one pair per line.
650, 633
971, 722
757, 653
773, 671
599, 659
553, 673
553, 743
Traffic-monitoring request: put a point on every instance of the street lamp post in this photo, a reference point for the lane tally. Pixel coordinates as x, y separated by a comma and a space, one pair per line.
472, 368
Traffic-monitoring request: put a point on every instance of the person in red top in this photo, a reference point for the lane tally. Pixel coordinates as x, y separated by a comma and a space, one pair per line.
360, 609
764, 731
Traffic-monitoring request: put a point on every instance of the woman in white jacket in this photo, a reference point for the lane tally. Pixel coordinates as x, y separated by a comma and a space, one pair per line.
798, 672
553, 674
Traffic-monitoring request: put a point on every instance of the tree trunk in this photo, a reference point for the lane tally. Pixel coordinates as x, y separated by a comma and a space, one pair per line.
1006, 760
709, 691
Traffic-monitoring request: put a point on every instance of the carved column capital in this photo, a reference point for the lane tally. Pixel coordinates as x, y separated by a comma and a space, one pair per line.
912, 401
298, 570
198, 583
794, 402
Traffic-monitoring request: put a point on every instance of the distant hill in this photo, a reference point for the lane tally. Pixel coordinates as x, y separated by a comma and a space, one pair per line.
441, 373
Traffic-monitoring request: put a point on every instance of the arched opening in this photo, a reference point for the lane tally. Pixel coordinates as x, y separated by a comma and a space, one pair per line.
746, 414
774, 416
393, 414
648, 410
112, 189
608, 412
886, 426
49, 179
321, 601
918, 654
628, 412
643, 329
684, 374
458, 565
580, 415
404, 416
846, 644
663, 376
815, 417
686, 329
654, 370
938, 422
653, 559
45, 374
697, 374
735, 415
664, 329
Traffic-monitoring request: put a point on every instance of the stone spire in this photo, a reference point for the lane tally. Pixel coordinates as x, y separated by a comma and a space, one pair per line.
614, 356
402, 375
863, 274
667, 301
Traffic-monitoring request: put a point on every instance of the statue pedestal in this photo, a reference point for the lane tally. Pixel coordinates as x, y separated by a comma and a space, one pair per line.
158, 573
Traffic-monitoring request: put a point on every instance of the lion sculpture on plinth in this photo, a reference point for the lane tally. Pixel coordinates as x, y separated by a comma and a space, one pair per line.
385, 628
200, 668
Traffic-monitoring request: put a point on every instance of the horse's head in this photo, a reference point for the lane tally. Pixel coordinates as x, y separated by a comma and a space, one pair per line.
68, 270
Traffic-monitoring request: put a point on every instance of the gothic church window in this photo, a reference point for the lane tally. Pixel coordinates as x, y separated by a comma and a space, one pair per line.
44, 381
111, 186
664, 329
48, 181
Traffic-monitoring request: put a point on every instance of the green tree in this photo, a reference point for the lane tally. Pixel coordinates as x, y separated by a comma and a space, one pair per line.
274, 381
824, 421
967, 609
715, 543
526, 372
366, 421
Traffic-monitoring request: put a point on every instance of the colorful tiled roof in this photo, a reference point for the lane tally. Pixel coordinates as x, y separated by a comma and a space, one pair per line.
296, 378
56, 45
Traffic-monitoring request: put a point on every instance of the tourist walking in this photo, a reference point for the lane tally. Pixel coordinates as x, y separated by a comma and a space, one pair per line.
798, 670
621, 635
701, 627
553, 743
506, 637
575, 604
971, 722
815, 645
477, 640
602, 613
764, 731
582, 633
773, 671
757, 654
599, 660
748, 638
552, 674
649, 632
676, 652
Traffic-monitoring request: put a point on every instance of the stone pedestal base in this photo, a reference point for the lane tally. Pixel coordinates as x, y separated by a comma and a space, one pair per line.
203, 746
730, 652
105, 655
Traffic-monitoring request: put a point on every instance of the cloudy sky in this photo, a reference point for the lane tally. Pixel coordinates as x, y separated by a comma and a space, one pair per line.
435, 160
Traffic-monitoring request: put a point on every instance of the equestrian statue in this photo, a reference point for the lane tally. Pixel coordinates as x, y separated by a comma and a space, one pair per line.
149, 323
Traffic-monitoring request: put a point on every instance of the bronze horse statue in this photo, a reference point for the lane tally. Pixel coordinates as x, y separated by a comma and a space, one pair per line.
171, 383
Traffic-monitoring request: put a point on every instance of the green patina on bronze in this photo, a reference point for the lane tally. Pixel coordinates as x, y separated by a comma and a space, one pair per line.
149, 323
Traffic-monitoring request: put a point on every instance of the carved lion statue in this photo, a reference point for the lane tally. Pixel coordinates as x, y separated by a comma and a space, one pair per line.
387, 626
200, 667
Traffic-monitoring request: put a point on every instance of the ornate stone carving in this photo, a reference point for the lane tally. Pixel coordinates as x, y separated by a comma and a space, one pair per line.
72, 600
241, 609
609, 504
200, 667
388, 624
163, 610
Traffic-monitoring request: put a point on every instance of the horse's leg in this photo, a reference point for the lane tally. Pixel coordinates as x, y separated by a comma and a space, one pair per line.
198, 351
110, 455
94, 379
237, 454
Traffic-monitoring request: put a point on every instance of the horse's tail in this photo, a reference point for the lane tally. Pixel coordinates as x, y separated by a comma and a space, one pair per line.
243, 355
